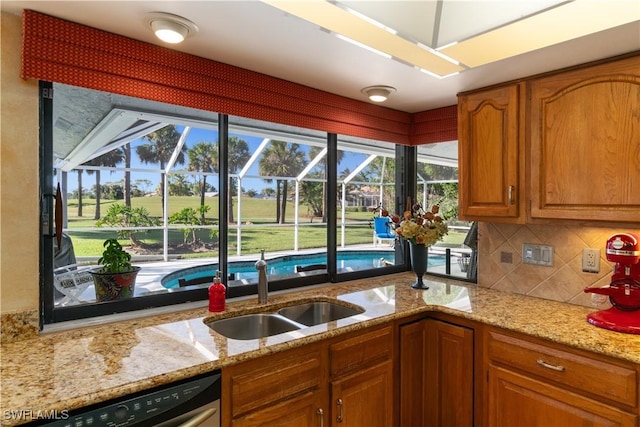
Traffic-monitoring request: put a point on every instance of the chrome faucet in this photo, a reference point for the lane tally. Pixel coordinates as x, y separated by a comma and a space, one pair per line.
263, 283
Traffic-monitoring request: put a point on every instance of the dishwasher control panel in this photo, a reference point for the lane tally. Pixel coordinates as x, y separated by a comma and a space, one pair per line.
147, 408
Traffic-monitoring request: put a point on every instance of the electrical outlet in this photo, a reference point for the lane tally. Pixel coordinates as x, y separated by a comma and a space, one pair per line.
591, 260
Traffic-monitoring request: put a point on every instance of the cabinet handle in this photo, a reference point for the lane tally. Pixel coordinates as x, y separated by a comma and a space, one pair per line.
510, 194
544, 364
340, 416
320, 413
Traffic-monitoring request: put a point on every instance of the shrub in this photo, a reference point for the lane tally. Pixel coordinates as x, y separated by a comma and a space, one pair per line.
123, 216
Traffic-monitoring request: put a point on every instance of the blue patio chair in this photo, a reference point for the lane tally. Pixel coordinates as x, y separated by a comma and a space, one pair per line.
382, 230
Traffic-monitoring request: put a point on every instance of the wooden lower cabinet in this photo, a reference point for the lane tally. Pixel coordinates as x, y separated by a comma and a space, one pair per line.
364, 398
283, 389
361, 379
535, 383
436, 371
343, 382
436, 374
517, 400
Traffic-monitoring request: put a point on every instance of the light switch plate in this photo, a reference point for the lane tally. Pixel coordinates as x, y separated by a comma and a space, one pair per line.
537, 254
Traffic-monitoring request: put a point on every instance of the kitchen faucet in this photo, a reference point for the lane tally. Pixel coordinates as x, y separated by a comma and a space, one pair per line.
263, 283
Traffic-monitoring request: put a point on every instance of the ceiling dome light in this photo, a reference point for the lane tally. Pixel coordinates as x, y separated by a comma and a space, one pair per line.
170, 28
378, 93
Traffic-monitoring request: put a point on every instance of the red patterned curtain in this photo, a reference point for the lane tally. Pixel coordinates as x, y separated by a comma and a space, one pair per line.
65, 52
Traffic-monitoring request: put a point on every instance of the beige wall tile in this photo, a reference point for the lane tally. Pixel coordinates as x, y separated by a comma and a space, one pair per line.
565, 281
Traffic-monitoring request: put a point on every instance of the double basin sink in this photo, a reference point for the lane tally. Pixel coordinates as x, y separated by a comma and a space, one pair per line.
287, 319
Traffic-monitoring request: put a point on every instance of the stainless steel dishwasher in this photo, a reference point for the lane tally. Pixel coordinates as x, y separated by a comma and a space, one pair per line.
189, 403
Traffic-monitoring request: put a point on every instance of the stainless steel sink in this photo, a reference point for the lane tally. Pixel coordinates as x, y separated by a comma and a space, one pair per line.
315, 313
252, 326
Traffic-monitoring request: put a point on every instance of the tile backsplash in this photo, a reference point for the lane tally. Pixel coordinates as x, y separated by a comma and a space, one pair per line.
565, 281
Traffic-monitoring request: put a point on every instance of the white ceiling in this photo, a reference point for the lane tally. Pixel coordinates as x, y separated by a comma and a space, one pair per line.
259, 37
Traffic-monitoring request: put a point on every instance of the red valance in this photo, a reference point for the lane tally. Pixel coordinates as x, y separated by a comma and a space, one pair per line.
437, 125
65, 52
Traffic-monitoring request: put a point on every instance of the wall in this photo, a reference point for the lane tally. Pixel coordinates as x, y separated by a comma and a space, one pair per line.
564, 281
19, 247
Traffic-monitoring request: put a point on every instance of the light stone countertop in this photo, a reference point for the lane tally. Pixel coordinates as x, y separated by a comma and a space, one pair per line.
71, 369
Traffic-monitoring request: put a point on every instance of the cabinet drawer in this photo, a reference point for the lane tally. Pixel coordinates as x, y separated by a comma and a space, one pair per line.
301, 410
586, 374
268, 380
520, 400
360, 351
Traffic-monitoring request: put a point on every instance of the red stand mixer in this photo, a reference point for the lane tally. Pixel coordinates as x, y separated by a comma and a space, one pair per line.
624, 290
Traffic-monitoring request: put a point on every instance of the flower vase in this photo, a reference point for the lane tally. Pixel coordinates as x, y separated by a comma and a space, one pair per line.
419, 255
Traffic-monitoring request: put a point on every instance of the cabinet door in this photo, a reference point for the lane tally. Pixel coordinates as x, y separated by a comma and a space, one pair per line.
517, 400
301, 411
267, 386
489, 155
585, 143
436, 372
449, 375
364, 398
413, 339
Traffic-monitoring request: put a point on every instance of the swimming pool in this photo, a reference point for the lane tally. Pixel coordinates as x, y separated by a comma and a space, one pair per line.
286, 265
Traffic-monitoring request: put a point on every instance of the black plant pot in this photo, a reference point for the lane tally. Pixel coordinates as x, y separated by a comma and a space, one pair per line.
419, 254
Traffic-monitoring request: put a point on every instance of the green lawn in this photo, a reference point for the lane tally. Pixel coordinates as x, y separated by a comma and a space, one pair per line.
253, 210
258, 232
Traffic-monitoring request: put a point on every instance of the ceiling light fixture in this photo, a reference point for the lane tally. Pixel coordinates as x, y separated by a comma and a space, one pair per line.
170, 28
378, 93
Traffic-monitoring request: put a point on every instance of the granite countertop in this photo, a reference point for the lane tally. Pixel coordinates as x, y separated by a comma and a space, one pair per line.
71, 369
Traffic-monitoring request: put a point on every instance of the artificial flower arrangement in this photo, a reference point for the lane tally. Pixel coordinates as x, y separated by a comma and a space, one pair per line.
419, 226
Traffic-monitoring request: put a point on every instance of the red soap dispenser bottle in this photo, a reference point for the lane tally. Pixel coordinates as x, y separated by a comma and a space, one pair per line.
217, 295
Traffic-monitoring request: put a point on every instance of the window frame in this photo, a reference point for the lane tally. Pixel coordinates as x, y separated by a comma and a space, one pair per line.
51, 314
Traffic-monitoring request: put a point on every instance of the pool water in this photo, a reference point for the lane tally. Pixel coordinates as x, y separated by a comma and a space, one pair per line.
286, 265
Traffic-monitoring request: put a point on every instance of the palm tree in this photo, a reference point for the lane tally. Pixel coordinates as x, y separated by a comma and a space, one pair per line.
79, 171
239, 155
281, 159
163, 144
313, 152
311, 194
203, 158
126, 150
206, 160
110, 159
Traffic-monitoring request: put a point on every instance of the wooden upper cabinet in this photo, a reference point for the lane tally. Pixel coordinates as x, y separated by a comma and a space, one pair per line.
585, 143
490, 155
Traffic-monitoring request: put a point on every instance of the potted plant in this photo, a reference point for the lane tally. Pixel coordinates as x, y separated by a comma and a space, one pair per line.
116, 278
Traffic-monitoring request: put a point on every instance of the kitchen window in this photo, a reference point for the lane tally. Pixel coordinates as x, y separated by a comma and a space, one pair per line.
116, 158
148, 174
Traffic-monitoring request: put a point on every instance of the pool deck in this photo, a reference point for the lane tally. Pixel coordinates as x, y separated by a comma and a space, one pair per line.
149, 278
